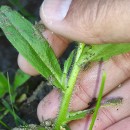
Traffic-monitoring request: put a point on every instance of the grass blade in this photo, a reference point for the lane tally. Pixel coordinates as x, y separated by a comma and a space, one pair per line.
82, 114
20, 78
17, 119
98, 101
3, 85
11, 101
6, 126
94, 53
67, 68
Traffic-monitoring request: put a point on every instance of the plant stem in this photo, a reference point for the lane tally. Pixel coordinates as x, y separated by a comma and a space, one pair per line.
68, 93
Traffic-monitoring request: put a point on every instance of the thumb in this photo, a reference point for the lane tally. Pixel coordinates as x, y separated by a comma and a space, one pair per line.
90, 21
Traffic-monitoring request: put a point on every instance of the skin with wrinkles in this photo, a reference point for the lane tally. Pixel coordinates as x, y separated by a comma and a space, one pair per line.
97, 24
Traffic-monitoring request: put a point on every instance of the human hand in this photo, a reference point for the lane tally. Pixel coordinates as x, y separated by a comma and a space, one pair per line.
91, 21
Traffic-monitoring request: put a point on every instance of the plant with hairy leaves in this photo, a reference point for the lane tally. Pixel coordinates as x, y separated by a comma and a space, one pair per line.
30, 43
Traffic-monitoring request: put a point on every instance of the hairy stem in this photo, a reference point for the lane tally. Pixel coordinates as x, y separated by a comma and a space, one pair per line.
68, 93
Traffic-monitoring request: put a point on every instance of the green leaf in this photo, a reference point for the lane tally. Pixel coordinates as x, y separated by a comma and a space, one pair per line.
67, 127
82, 114
3, 80
4, 113
31, 44
98, 104
79, 114
67, 68
106, 51
20, 78
1, 108
5, 125
93, 53
3, 85
17, 119
40, 128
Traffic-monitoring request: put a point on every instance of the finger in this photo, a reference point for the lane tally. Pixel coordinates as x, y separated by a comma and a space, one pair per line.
48, 107
123, 124
117, 70
91, 21
26, 66
108, 116
58, 43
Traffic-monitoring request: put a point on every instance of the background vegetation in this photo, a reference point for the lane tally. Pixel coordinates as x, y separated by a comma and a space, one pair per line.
8, 72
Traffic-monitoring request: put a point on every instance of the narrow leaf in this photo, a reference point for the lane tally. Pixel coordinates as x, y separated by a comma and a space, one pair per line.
67, 68
104, 51
30, 43
3, 85
3, 80
98, 104
82, 114
8, 107
5, 125
20, 78
40, 128
79, 115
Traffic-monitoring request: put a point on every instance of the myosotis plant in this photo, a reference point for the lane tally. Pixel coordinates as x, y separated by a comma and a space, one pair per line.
30, 43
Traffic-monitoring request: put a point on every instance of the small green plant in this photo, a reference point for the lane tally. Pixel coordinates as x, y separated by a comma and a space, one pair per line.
8, 106
5, 87
30, 43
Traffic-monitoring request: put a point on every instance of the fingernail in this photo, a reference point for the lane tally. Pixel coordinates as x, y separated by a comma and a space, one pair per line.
55, 9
